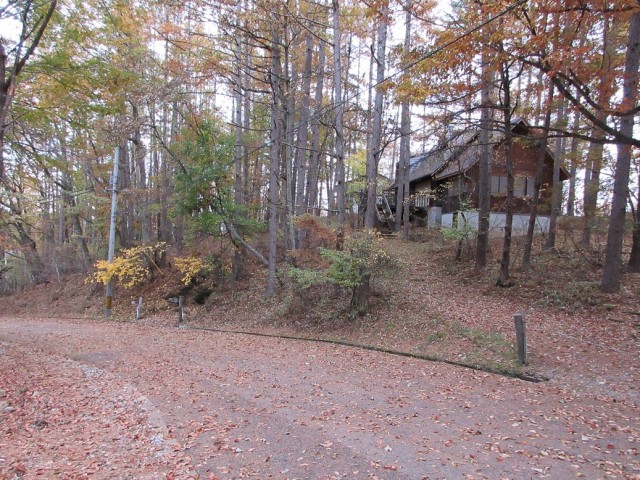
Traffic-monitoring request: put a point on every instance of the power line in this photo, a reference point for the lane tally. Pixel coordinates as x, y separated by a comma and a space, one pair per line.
410, 65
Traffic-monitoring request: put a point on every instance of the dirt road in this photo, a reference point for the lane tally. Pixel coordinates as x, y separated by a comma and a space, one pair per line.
82, 399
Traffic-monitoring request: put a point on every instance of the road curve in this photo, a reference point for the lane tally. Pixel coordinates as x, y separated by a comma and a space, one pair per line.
250, 407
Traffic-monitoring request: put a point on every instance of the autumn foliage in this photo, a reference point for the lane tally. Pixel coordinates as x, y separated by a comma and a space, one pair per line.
352, 269
131, 268
190, 268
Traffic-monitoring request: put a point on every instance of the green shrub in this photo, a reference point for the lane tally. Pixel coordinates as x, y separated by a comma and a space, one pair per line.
353, 269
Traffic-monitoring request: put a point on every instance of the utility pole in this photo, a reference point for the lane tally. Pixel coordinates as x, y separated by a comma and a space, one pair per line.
112, 230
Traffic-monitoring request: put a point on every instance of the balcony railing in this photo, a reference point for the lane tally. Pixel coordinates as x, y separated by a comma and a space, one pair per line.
418, 200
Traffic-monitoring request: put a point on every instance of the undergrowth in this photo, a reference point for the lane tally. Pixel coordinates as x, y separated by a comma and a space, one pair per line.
572, 295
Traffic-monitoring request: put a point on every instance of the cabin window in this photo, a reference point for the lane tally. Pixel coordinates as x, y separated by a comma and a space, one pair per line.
519, 186
498, 185
522, 186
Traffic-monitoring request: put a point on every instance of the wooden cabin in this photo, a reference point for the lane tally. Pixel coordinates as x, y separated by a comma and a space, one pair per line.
445, 180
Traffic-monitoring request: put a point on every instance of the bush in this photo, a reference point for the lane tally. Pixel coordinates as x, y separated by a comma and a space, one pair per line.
463, 232
190, 268
132, 267
312, 235
352, 269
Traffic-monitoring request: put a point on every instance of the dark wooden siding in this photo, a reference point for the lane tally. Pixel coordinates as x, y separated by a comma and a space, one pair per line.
525, 157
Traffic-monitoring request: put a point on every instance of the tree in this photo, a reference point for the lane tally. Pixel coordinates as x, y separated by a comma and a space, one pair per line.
339, 113
376, 149
206, 186
634, 257
403, 197
574, 160
535, 201
301, 159
505, 262
595, 157
277, 133
315, 150
613, 259
484, 163
34, 19
556, 194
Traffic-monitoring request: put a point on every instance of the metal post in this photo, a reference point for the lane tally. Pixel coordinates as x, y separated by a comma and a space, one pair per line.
112, 230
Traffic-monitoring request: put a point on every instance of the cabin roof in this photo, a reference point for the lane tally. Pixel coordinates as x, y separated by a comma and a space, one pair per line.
459, 153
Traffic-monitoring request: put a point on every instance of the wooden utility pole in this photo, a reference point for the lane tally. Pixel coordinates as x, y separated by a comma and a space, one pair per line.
112, 230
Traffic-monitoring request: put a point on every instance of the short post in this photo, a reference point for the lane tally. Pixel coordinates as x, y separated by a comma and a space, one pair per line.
139, 309
521, 337
180, 309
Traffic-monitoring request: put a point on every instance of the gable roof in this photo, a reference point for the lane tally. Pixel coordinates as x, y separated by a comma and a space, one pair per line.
441, 158
459, 153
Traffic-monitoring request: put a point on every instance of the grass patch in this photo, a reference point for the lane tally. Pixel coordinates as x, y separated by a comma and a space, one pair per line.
449, 340
572, 295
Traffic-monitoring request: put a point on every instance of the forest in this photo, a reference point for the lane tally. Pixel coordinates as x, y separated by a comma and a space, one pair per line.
245, 120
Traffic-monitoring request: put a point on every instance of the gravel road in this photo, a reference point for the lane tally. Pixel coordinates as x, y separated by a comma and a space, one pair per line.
159, 402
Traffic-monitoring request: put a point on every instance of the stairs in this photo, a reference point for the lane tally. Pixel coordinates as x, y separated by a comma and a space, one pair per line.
385, 216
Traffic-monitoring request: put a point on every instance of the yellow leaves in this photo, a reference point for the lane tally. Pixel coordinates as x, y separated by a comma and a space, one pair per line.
130, 268
126, 272
190, 268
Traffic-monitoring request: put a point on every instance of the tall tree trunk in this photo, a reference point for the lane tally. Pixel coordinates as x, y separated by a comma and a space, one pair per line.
592, 183
596, 149
124, 186
246, 62
302, 138
277, 130
615, 236
556, 192
339, 113
535, 201
503, 279
248, 183
311, 195
66, 186
403, 194
238, 194
484, 165
6, 97
634, 259
31, 254
289, 134
573, 171
369, 152
376, 136
139, 176
403, 197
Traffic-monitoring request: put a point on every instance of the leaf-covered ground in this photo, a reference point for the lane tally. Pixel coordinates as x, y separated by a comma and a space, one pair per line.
238, 406
60, 418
